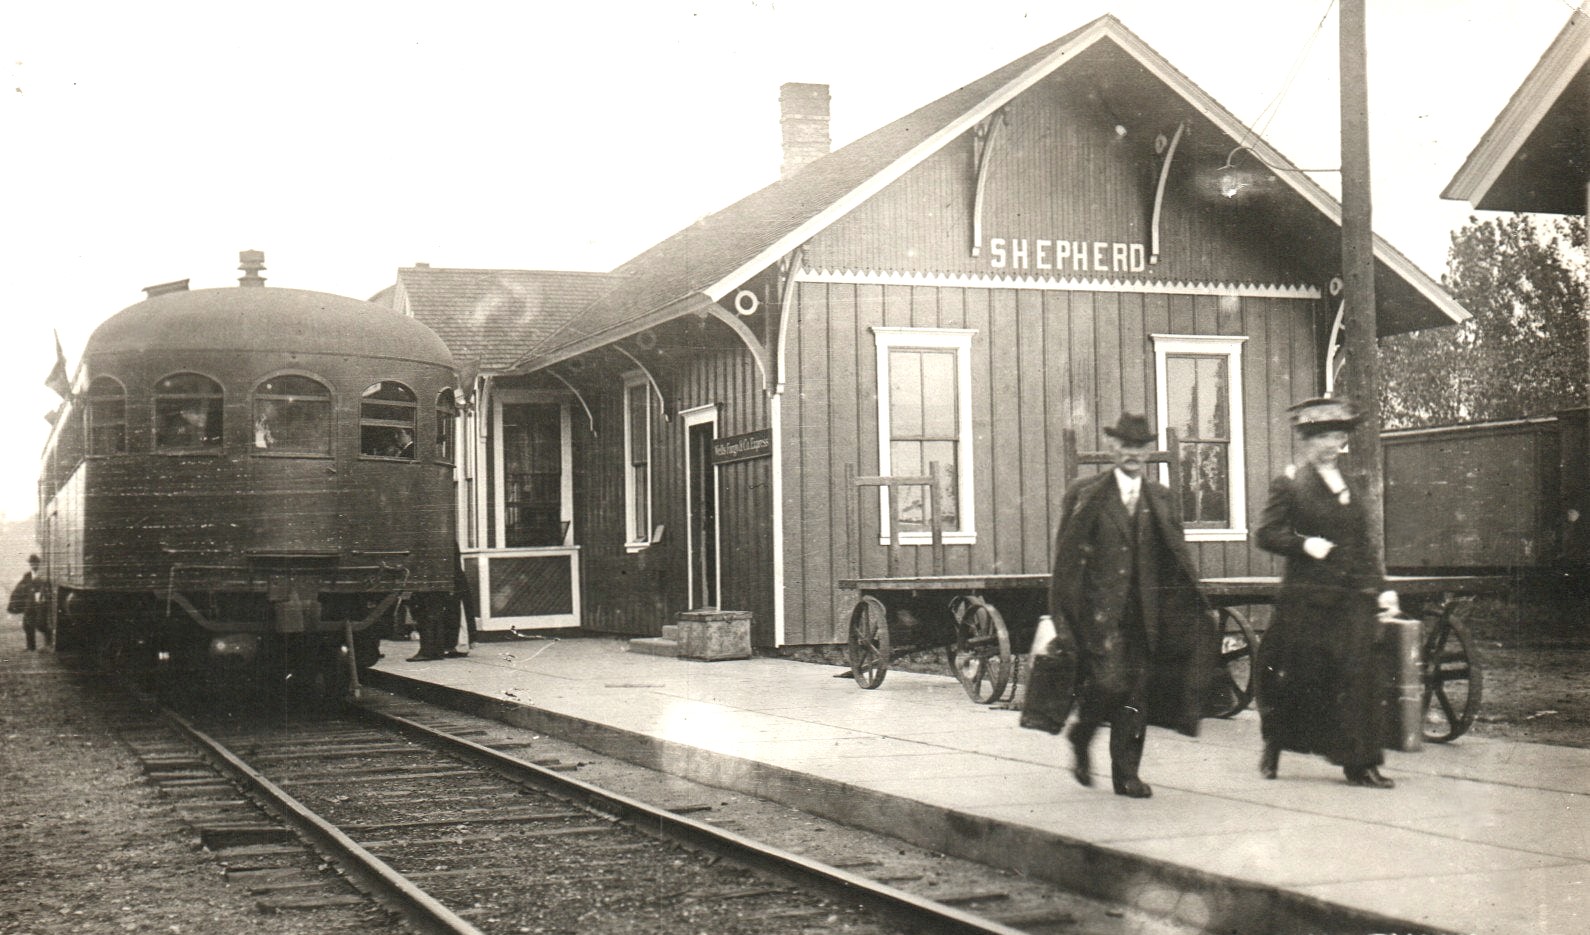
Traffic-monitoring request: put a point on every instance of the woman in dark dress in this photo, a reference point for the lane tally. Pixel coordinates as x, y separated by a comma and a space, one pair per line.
1317, 691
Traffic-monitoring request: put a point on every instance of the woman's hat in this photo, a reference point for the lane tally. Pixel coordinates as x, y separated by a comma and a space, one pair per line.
1325, 414
1132, 428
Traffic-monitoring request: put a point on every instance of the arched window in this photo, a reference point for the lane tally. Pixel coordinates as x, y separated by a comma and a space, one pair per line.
446, 412
292, 415
187, 413
107, 417
386, 421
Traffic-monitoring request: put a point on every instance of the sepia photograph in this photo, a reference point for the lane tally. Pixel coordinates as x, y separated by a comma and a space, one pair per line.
1107, 466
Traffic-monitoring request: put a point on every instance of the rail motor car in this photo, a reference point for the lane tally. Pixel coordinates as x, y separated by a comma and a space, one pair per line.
250, 477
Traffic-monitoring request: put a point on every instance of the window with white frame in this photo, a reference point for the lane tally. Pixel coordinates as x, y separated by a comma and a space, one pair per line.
637, 461
925, 419
1198, 381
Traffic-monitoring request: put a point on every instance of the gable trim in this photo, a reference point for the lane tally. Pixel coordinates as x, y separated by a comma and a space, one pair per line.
1105, 27
992, 281
1523, 113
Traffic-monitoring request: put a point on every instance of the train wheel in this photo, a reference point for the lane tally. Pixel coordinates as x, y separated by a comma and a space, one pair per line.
980, 656
1233, 688
869, 642
1452, 676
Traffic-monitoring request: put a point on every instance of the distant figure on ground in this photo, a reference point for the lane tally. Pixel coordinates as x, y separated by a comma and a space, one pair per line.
1125, 587
1317, 691
31, 599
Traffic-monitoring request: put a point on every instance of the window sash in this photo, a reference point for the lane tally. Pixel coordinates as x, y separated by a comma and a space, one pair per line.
637, 462
924, 417
1199, 395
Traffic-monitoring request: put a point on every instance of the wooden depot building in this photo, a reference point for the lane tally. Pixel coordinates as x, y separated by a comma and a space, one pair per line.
1080, 232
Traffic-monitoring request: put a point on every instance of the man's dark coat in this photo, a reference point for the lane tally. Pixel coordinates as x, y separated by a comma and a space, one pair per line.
1089, 591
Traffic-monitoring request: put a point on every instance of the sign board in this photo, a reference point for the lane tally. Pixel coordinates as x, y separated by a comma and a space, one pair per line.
757, 444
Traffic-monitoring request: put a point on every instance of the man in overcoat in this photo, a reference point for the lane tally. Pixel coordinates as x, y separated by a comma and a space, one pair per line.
1125, 588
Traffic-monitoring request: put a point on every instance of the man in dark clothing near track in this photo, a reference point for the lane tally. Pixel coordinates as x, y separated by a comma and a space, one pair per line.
1125, 589
31, 599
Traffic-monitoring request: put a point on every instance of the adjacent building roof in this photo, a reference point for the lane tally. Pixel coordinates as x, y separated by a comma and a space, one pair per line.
489, 316
1536, 155
706, 260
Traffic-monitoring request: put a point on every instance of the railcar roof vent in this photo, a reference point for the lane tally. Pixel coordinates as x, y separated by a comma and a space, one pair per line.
181, 285
251, 262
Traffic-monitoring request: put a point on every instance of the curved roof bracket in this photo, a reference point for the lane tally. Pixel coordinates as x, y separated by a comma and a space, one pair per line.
662, 404
789, 269
589, 419
984, 136
748, 337
1159, 191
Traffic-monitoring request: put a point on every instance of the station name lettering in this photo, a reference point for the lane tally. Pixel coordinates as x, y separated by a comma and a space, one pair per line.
1079, 256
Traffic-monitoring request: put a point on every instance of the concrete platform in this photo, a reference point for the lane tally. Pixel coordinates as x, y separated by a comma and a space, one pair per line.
1479, 836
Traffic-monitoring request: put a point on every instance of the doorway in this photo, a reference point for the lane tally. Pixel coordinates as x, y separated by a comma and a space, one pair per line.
701, 506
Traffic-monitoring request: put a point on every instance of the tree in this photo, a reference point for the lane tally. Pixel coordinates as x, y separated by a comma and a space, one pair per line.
1524, 353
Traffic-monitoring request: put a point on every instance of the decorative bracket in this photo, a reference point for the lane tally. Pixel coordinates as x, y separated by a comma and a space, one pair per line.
788, 267
983, 139
662, 406
589, 419
1159, 192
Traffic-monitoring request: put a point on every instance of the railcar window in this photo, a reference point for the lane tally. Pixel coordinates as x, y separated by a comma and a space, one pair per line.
187, 413
292, 415
107, 417
446, 411
386, 421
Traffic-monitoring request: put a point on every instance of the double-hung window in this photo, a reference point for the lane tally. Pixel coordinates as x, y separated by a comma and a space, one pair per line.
1198, 382
925, 424
637, 462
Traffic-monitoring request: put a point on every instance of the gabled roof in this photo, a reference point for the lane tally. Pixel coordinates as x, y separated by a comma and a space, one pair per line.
1534, 156
713, 256
491, 315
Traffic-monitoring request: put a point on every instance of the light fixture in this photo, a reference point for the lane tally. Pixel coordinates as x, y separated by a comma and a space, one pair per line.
1232, 179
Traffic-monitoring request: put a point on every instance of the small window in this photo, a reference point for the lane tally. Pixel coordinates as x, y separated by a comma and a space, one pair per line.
187, 413
1199, 394
925, 419
637, 462
446, 412
292, 415
107, 417
386, 421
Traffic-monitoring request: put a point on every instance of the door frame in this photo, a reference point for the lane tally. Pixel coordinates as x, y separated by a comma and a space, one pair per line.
689, 419
499, 482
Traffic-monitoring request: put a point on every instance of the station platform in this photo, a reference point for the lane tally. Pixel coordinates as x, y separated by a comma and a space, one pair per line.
1479, 836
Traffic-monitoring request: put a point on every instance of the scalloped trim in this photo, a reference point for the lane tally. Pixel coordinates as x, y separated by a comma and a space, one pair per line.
1006, 281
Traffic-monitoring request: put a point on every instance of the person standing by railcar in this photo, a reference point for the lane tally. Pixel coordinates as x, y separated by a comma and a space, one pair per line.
1317, 687
31, 599
1125, 590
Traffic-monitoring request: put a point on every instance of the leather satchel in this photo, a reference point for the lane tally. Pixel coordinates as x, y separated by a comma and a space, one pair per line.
1052, 682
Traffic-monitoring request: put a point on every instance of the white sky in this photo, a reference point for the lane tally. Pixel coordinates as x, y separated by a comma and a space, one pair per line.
148, 142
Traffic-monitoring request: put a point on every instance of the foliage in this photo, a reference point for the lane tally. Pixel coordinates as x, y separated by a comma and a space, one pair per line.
1525, 351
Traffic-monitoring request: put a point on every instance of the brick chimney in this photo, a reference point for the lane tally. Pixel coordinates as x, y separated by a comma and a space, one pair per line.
803, 116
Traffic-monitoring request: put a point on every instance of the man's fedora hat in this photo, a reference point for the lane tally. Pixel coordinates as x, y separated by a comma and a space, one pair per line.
1132, 428
1324, 414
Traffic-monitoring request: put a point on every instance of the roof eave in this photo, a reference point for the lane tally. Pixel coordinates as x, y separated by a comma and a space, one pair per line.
694, 303
1566, 57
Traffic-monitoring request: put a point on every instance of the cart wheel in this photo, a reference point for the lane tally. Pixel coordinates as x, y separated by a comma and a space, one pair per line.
1233, 687
980, 656
1452, 676
869, 642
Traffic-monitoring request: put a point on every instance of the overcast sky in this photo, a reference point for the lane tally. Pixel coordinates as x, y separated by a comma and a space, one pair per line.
149, 142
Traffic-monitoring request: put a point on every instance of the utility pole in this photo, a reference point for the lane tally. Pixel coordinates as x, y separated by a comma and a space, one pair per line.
1362, 376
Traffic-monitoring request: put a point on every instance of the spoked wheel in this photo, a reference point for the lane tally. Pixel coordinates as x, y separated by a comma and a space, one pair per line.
1233, 687
980, 656
1452, 676
869, 642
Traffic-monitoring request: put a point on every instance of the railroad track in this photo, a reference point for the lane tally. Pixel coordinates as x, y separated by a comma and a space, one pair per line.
456, 836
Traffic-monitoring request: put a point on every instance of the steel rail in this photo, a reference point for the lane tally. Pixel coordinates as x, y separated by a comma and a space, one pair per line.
369, 872
925, 914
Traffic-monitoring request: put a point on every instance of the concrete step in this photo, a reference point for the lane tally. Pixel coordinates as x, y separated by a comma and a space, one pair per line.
670, 631
654, 646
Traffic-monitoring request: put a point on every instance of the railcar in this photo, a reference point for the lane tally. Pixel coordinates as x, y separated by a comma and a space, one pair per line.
250, 479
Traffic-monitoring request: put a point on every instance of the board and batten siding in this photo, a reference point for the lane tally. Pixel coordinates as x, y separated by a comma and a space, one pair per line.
1043, 361
636, 593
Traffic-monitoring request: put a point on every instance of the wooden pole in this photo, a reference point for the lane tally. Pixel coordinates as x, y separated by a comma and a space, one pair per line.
1362, 376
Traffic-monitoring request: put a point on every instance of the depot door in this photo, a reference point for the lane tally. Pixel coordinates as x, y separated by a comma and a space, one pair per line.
701, 506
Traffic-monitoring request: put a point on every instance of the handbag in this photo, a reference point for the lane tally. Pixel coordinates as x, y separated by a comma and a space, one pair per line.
1052, 683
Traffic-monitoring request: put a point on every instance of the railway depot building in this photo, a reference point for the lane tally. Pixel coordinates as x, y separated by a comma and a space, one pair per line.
982, 285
